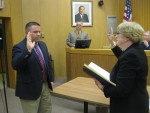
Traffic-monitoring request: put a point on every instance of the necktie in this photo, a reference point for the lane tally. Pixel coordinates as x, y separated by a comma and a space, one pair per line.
78, 33
82, 19
41, 61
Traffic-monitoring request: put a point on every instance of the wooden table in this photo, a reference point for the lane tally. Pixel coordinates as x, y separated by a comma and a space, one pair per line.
83, 89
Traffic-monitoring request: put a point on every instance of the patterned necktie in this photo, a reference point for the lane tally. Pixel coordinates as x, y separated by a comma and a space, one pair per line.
41, 61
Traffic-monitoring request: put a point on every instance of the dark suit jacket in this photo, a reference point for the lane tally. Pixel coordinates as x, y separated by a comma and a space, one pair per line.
144, 47
29, 71
130, 75
79, 19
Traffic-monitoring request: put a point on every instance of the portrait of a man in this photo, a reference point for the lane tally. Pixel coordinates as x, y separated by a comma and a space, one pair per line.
81, 16
82, 12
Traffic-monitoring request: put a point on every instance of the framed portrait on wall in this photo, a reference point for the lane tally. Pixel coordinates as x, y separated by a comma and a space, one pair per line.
1, 4
82, 11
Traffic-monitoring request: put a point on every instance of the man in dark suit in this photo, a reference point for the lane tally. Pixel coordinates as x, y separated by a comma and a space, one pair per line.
146, 41
81, 16
31, 60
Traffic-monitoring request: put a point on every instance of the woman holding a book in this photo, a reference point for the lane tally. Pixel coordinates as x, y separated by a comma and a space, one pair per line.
129, 73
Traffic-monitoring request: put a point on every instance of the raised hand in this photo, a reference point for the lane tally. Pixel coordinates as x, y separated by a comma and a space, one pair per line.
30, 43
110, 36
146, 43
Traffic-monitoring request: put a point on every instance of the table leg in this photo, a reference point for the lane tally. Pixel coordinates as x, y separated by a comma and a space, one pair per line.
85, 107
101, 109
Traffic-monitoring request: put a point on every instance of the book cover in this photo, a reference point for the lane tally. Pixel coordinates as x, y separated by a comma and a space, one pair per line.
99, 73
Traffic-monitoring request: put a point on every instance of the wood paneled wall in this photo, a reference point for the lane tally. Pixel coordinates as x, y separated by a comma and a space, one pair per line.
55, 19
140, 12
5, 12
12, 14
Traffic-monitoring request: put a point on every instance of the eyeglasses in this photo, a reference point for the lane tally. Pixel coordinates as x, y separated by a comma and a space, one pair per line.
117, 33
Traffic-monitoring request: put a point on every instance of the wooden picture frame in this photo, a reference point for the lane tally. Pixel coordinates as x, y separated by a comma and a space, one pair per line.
82, 11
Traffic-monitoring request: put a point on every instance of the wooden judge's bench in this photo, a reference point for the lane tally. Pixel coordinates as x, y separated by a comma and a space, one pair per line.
75, 58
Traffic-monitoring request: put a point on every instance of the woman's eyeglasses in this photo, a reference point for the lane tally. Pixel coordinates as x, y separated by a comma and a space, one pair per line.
117, 33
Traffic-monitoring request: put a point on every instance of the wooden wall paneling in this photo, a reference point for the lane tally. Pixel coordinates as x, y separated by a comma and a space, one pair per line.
137, 14
9, 44
16, 22
64, 22
146, 14
121, 7
148, 78
15, 33
5, 12
55, 18
31, 11
111, 62
141, 12
75, 67
49, 25
100, 22
13, 29
55, 24
68, 65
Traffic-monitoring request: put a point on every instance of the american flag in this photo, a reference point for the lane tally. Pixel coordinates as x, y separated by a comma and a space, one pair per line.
127, 12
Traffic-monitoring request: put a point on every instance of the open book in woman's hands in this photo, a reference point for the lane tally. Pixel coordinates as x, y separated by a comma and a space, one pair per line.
99, 73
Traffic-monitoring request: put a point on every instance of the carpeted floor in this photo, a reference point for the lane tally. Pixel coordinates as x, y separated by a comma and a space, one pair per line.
59, 105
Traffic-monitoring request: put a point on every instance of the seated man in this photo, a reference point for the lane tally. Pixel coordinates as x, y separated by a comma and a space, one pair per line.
146, 41
77, 34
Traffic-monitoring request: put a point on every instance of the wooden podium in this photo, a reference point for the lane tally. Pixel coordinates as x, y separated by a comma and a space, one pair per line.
76, 58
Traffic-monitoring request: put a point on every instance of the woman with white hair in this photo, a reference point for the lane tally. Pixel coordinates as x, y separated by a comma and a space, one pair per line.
129, 73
